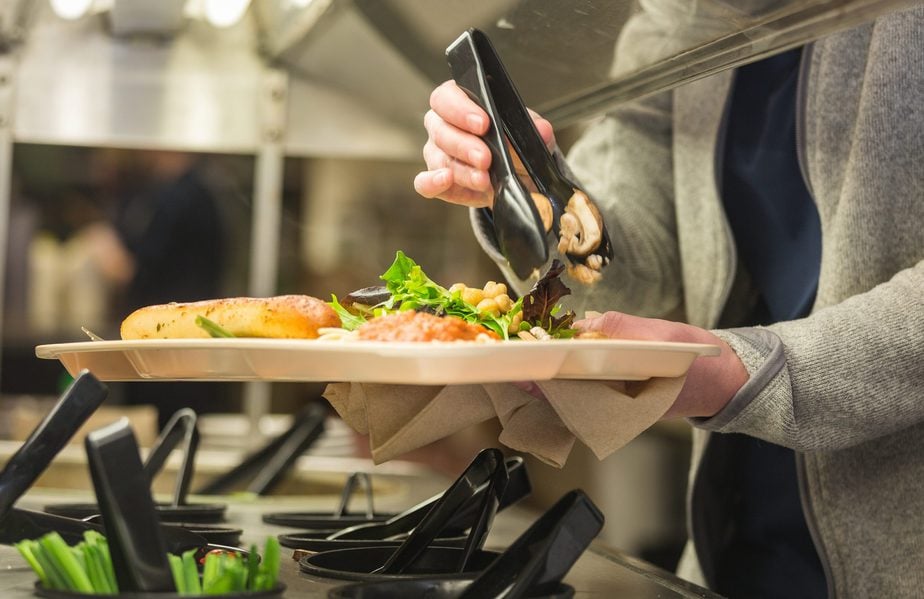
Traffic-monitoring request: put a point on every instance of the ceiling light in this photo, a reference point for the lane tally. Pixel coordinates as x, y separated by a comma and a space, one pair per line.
71, 9
225, 13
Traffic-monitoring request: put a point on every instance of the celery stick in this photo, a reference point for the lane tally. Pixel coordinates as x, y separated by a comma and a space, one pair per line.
253, 568
270, 565
75, 576
176, 569
221, 584
211, 570
25, 549
191, 573
95, 569
104, 568
103, 548
56, 579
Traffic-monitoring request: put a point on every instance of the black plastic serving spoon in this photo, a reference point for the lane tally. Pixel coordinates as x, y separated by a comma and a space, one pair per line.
532, 567
180, 431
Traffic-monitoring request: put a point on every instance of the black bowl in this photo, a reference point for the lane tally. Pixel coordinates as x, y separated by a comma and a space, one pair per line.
41, 591
189, 512
431, 588
361, 563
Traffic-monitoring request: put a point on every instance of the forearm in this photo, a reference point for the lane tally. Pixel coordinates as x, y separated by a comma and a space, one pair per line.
849, 373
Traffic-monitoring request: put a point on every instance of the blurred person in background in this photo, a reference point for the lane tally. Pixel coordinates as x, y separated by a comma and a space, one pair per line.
778, 209
170, 228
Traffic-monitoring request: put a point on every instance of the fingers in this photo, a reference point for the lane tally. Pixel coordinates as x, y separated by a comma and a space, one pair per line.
457, 109
440, 184
464, 174
544, 128
457, 159
626, 326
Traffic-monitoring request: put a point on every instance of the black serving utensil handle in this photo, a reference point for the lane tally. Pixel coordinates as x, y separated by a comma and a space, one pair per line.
487, 468
19, 524
76, 404
521, 236
363, 480
181, 428
266, 467
541, 556
518, 487
133, 529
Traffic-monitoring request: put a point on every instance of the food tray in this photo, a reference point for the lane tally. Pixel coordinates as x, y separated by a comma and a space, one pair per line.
432, 363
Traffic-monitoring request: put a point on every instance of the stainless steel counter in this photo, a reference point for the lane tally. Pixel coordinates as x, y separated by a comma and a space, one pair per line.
601, 571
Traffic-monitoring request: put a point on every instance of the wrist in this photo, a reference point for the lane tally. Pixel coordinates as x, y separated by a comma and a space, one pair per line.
711, 382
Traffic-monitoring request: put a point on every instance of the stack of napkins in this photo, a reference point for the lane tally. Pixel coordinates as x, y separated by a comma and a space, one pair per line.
602, 415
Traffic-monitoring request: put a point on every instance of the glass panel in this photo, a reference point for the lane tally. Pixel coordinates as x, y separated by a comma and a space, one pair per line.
570, 60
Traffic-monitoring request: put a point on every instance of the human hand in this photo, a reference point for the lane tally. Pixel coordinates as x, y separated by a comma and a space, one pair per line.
711, 381
456, 156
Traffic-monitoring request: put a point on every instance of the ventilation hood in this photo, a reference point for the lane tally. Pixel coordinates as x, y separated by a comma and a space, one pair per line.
354, 76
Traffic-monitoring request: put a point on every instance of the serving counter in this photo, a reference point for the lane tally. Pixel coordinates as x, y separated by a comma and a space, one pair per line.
600, 572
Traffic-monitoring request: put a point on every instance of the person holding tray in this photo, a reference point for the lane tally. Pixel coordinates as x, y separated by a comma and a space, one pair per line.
778, 210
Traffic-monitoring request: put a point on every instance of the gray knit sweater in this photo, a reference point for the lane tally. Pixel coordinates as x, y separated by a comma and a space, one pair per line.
844, 387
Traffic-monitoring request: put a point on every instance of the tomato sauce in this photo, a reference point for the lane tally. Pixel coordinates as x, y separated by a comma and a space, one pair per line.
421, 326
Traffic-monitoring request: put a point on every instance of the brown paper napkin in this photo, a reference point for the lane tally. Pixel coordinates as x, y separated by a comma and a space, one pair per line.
602, 415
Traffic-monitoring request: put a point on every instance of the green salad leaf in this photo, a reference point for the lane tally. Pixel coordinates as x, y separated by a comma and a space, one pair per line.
409, 288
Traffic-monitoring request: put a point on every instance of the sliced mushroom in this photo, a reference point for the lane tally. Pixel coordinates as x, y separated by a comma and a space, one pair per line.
581, 226
544, 206
583, 274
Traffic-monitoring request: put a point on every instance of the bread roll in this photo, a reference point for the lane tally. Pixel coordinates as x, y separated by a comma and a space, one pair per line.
285, 316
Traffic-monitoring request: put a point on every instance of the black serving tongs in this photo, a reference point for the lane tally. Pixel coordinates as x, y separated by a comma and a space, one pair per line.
522, 228
342, 515
394, 530
180, 431
532, 567
417, 555
266, 467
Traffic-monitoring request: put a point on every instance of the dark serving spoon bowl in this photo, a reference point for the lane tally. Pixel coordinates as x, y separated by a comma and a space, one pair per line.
431, 588
363, 563
41, 591
206, 513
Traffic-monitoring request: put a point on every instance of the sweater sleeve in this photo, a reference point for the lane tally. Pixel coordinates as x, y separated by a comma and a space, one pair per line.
847, 374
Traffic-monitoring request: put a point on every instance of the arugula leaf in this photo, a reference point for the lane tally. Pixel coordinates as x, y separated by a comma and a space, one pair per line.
348, 320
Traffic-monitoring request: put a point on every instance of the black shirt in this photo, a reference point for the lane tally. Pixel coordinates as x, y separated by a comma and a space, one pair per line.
767, 550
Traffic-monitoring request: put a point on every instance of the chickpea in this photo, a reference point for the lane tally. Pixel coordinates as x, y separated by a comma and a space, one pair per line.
488, 305
504, 302
472, 296
457, 287
490, 289
515, 322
